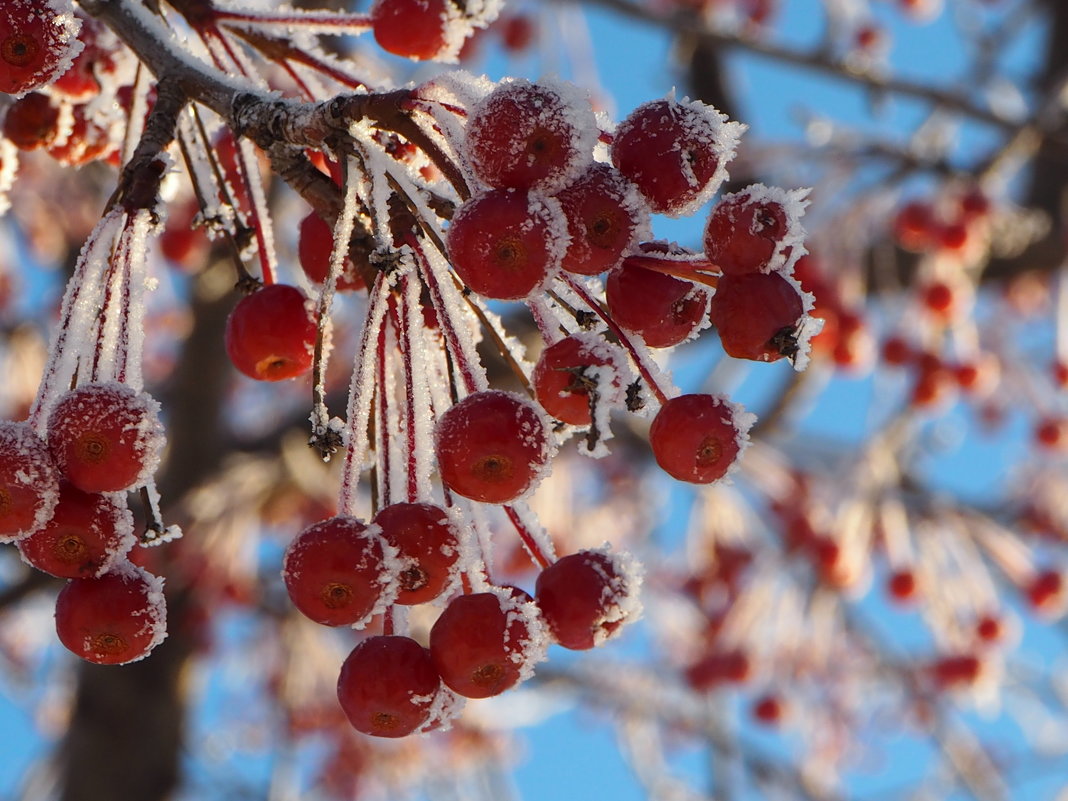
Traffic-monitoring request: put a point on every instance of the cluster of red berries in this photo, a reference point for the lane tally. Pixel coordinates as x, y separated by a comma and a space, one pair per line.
428, 30
60, 505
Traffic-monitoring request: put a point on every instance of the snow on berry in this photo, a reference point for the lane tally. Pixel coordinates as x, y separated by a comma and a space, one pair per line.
698, 438
527, 135
38, 43
113, 619
29, 481
675, 152
106, 437
757, 229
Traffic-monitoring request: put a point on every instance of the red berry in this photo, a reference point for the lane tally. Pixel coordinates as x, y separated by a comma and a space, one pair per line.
758, 316
505, 243
675, 153
85, 536
663, 309
484, 643
697, 438
387, 686
974, 204
336, 572
270, 334
746, 231
530, 136
989, 628
1052, 433
36, 41
414, 29
105, 437
605, 217
492, 447
428, 548
116, 618
29, 481
1060, 373
32, 121
566, 373
79, 82
1046, 591
517, 33
953, 236
719, 667
897, 351
915, 227
950, 671
315, 243
768, 709
586, 597
902, 585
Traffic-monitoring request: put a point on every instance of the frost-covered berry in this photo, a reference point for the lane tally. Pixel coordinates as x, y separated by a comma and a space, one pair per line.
664, 309
415, 29
270, 334
567, 372
29, 481
586, 597
675, 153
505, 243
605, 217
748, 231
336, 572
530, 136
387, 686
116, 618
88, 532
492, 447
38, 40
427, 545
315, 244
486, 642
32, 121
697, 438
758, 316
105, 437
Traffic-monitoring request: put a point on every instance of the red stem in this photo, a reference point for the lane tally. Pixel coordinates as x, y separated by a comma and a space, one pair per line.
536, 553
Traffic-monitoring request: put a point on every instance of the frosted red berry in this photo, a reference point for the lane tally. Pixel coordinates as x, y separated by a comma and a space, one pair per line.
88, 532
113, 619
565, 375
673, 151
387, 686
413, 29
585, 598
315, 244
483, 643
745, 232
35, 42
758, 316
663, 309
696, 438
604, 217
32, 121
105, 437
427, 546
336, 572
270, 334
505, 243
525, 135
492, 446
29, 481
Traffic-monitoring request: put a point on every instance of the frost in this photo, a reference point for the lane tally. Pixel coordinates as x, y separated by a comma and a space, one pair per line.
621, 596
155, 610
534, 646
27, 466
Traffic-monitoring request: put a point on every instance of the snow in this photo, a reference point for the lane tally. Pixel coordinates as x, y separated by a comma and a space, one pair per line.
25, 463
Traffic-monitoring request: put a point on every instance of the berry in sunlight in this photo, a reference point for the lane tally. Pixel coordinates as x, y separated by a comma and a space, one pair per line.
675, 153
37, 41
113, 619
896, 351
29, 481
518, 33
1046, 592
663, 309
486, 642
414, 29
915, 227
337, 573
768, 709
32, 121
953, 236
105, 437
427, 545
85, 536
938, 297
744, 233
387, 686
697, 438
315, 243
505, 243
586, 597
990, 628
956, 671
902, 586
530, 136
1051, 433
270, 334
492, 446
563, 380
605, 217
758, 316
979, 375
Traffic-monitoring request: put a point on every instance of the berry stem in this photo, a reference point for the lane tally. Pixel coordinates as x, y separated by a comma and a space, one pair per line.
529, 541
688, 270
